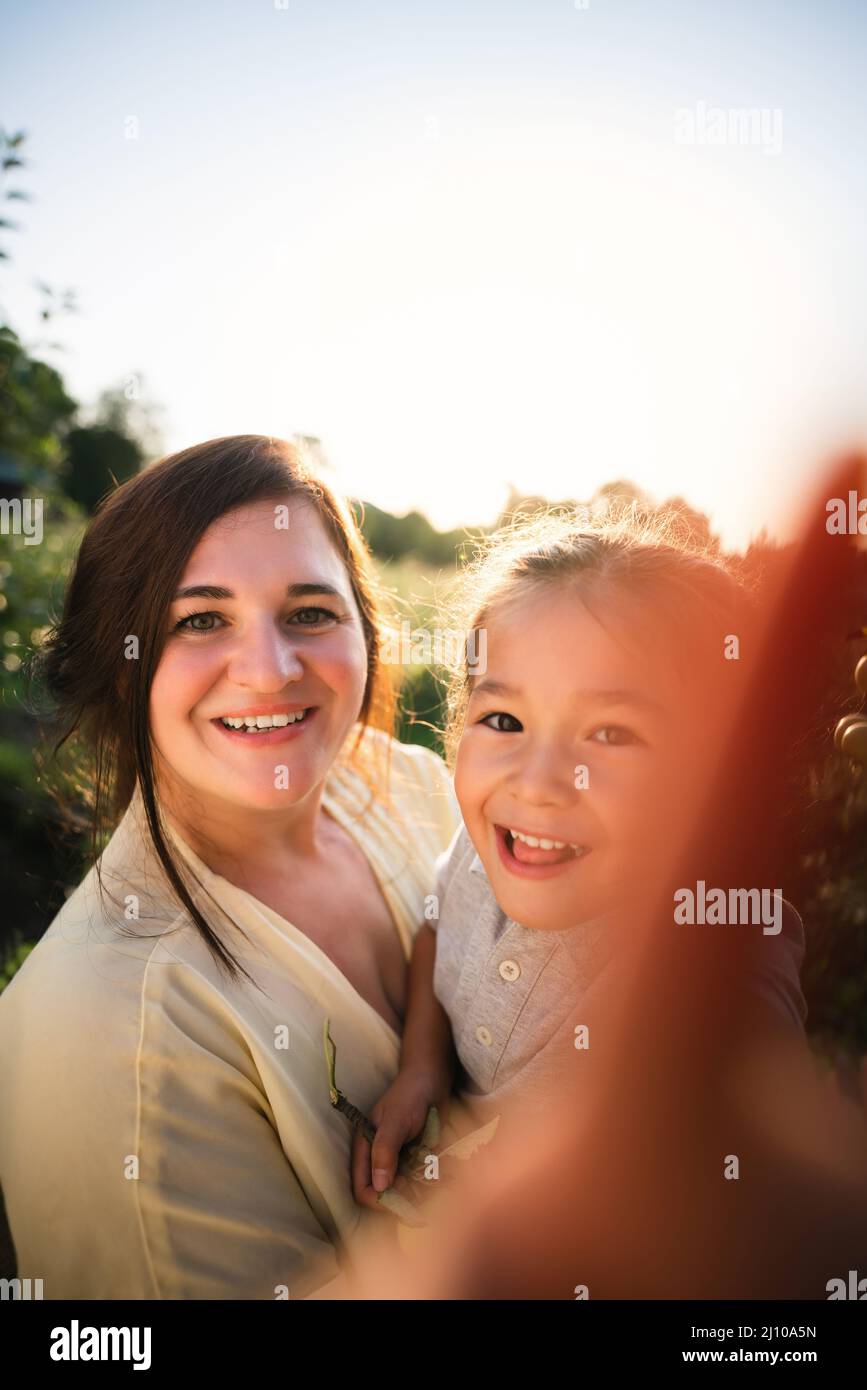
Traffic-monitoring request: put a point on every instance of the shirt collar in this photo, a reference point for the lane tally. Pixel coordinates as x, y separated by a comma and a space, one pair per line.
593, 935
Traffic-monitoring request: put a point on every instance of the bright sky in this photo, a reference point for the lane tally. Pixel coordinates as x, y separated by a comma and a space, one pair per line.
462, 242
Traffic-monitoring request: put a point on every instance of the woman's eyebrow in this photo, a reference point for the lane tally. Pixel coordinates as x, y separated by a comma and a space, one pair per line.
292, 591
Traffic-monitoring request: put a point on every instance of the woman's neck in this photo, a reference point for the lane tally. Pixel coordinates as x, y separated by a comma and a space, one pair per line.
242, 841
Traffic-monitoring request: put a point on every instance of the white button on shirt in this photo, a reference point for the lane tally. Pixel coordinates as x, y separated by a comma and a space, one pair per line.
554, 979
523, 983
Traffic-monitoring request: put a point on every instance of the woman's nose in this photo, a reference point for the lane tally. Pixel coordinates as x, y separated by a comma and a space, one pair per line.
265, 658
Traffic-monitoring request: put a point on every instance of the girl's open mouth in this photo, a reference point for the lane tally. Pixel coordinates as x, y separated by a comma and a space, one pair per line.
265, 729
532, 856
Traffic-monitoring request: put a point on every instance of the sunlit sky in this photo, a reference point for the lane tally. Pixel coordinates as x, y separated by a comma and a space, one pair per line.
460, 242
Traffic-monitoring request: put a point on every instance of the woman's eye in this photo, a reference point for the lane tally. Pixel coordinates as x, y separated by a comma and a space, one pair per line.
615, 734
314, 617
513, 725
189, 623
302, 617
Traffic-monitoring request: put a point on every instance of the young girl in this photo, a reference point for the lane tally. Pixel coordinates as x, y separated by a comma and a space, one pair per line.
579, 748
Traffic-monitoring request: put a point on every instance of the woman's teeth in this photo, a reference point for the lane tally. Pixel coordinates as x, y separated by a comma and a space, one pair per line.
254, 722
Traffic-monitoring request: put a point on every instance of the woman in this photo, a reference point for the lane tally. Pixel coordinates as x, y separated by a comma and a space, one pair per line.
166, 1124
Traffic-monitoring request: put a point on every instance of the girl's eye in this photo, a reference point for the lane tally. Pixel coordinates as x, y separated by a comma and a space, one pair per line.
514, 725
616, 735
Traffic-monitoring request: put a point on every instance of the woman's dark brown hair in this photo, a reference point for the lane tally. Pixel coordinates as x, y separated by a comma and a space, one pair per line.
128, 567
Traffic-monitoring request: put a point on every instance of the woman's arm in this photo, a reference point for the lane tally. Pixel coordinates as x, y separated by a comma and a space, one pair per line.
221, 1210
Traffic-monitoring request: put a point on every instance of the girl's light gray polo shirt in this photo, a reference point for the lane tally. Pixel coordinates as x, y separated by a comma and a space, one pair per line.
514, 995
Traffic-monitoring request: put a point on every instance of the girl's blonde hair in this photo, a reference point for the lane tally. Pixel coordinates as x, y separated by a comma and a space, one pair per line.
656, 557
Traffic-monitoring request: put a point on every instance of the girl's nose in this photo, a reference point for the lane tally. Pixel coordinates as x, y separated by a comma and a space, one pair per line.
264, 658
546, 777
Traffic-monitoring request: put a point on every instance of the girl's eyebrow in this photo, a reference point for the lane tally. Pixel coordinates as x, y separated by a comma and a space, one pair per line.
293, 591
603, 697
620, 697
491, 687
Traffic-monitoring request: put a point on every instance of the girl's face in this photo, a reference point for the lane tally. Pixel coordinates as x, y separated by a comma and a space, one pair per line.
578, 734
264, 628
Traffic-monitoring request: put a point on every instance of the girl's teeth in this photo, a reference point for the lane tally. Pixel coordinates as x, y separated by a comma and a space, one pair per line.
537, 843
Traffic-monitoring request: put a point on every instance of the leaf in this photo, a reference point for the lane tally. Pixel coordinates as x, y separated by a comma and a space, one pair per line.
466, 1146
330, 1060
400, 1207
416, 1154
432, 1131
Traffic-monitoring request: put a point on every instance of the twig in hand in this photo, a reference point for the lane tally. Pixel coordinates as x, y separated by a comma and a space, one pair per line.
392, 1200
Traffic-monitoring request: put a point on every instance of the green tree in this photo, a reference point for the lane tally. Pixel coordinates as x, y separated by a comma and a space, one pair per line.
97, 460
35, 411
10, 158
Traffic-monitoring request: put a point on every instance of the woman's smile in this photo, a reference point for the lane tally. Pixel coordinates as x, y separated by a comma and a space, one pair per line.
266, 725
278, 657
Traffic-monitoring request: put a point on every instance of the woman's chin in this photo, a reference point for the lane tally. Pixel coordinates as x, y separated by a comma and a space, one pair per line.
256, 795
272, 787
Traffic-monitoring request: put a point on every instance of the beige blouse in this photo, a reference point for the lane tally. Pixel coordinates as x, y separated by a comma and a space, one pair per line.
167, 1134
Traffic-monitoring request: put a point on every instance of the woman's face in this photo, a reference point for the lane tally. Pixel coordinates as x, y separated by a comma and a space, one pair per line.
264, 628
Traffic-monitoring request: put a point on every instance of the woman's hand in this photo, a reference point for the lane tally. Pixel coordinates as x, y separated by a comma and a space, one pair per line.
398, 1116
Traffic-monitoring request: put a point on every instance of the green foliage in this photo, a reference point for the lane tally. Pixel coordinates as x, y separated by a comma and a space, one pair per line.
422, 709
35, 411
98, 460
397, 537
830, 868
10, 158
32, 580
12, 958
832, 884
